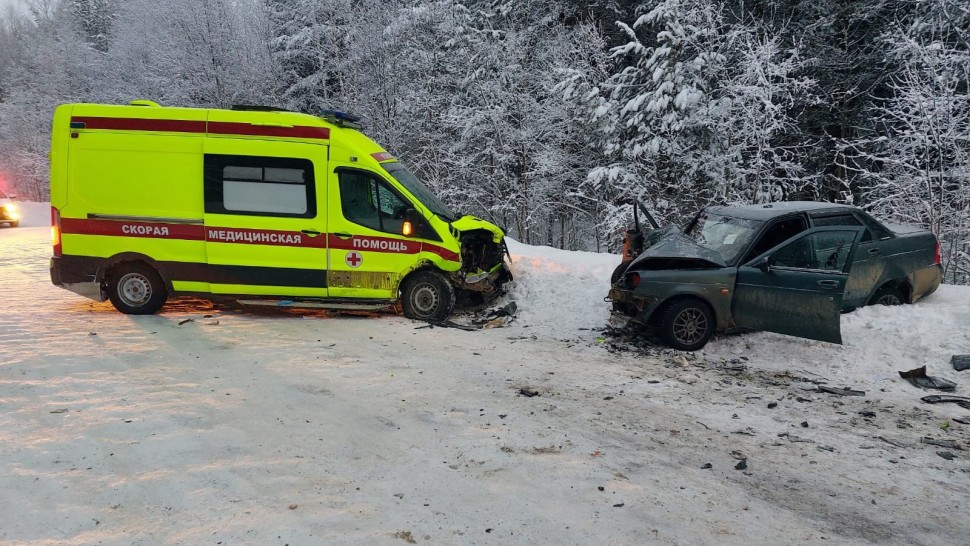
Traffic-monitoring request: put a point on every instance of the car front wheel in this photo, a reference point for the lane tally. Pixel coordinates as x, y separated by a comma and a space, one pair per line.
687, 325
136, 289
427, 295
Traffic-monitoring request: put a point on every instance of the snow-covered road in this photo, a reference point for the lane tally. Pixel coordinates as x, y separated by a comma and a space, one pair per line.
285, 427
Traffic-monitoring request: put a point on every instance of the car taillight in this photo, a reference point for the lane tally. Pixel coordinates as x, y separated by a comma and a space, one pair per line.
56, 230
635, 280
938, 258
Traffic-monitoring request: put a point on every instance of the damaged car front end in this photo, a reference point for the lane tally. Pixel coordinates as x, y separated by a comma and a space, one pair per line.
724, 272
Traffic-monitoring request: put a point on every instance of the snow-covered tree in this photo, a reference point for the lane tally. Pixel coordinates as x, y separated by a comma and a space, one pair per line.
917, 160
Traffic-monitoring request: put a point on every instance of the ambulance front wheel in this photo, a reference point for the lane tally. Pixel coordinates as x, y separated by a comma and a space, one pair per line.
427, 295
134, 288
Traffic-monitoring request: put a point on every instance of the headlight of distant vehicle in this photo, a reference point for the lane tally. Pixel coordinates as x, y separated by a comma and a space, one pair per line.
11, 211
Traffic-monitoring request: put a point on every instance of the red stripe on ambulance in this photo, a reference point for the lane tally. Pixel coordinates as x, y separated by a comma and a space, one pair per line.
116, 228
201, 127
195, 232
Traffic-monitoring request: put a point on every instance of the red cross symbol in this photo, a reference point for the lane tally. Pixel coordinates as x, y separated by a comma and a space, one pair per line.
353, 258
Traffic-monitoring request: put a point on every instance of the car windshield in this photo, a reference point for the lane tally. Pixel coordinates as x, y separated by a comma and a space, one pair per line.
421, 192
725, 235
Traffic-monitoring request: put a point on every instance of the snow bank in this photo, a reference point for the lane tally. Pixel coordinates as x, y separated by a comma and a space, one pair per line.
559, 292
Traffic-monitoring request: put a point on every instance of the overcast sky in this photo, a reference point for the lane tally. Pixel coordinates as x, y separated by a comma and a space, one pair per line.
4, 3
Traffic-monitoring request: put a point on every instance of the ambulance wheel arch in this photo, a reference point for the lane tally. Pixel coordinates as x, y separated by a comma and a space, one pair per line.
135, 286
427, 294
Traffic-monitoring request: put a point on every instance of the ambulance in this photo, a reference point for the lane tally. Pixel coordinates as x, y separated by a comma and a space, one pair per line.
261, 205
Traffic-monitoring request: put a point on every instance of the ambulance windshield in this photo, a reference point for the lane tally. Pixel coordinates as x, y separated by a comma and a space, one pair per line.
419, 190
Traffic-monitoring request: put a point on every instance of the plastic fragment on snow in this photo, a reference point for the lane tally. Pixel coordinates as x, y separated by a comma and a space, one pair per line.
919, 379
949, 444
841, 392
960, 362
961, 401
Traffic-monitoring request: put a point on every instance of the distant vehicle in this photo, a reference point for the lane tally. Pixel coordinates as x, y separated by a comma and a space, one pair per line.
789, 268
266, 206
9, 214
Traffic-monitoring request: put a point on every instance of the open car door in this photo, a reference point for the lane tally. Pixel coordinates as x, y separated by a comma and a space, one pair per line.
796, 288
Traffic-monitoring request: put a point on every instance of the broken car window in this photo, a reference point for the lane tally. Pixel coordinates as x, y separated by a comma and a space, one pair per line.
725, 235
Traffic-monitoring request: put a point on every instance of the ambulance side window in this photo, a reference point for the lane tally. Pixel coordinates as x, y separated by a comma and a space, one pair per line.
370, 202
259, 186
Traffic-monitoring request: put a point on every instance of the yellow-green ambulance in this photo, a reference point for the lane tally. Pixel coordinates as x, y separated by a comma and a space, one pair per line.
265, 206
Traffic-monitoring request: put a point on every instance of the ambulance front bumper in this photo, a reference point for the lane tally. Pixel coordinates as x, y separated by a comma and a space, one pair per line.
78, 274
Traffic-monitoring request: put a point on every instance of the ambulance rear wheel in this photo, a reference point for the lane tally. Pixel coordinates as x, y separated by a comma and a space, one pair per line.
427, 295
136, 289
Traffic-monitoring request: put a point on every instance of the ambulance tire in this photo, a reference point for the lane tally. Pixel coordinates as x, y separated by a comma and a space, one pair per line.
427, 295
135, 288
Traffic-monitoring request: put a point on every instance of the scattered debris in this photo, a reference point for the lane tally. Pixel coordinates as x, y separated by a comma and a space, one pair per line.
292, 507
830, 449
186, 321
919, 378
804, 424
841, 392
772, 405
962, 420
960, 362
59, 410
742, 465
961, 401
949, 444
891, 442
525, 391
707, 466
946, 455
405, 536
618, 505
867, 414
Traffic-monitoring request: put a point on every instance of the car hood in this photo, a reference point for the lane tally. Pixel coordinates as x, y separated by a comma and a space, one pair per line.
675, 250
471, 223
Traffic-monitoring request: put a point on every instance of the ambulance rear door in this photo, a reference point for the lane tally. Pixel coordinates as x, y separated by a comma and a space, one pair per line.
265, 217
368, 252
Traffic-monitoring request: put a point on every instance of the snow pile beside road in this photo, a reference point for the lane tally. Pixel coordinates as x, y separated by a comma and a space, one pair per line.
558, 292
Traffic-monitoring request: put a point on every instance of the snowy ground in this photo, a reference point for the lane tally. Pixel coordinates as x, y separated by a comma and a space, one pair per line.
276, 427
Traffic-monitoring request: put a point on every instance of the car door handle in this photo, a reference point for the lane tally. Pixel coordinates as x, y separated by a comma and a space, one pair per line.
874, 252
310, 232
828, 285
343, 235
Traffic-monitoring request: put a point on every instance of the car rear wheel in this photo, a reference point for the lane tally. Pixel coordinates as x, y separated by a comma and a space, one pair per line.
427, 295
135, 288
687, 325
888, 295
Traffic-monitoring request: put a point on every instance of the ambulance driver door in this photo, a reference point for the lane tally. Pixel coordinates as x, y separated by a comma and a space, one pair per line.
265, 234
368, 253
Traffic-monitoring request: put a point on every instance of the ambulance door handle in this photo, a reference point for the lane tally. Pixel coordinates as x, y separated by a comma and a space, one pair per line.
343, 235
310, 232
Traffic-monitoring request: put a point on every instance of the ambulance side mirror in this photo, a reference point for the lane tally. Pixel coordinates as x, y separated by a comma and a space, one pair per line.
412, 224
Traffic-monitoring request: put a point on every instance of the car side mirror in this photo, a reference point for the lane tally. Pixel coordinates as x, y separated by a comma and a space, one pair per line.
764, 264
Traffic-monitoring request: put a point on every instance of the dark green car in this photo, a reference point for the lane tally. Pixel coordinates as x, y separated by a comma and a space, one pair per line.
789, 268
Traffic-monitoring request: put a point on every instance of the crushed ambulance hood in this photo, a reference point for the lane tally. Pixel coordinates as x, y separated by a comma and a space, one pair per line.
674, 245
471, 223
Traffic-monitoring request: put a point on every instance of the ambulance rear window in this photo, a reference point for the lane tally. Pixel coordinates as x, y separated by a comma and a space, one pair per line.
259, 186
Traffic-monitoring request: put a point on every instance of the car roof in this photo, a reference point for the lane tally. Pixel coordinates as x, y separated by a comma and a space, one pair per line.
767, 211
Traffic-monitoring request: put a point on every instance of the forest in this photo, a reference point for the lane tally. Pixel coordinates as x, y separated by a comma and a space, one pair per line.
549, 117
